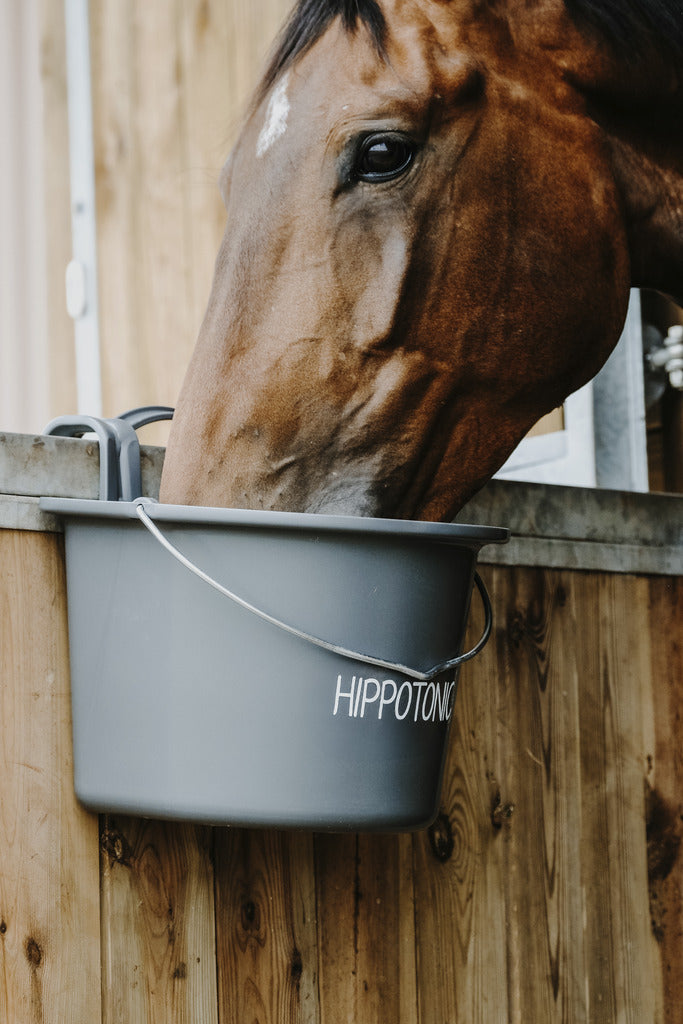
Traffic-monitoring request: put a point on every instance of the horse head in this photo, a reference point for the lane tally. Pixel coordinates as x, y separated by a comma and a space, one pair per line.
435, 211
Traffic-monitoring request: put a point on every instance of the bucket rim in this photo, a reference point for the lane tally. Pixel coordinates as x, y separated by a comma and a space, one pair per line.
202, 515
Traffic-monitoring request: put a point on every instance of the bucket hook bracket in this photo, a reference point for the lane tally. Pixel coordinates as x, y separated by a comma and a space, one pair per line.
120, 475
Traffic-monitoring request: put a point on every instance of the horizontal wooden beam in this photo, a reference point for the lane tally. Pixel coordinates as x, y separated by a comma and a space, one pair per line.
550, 526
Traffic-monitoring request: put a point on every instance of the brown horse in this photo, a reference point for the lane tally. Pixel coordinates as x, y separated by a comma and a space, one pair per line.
436, 209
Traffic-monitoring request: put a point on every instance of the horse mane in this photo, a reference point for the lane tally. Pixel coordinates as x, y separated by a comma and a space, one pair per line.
628, 26
633, 27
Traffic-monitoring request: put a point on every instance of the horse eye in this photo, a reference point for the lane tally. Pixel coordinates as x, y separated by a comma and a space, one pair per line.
384, 157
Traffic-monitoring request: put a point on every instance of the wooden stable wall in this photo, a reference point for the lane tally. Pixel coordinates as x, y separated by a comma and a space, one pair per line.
548, 889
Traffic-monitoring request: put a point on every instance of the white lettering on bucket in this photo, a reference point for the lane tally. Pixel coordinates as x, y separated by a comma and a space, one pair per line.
368, 698
384, 699
348, 696
426, 715
420, 687
358, 693
444, 710
408, 687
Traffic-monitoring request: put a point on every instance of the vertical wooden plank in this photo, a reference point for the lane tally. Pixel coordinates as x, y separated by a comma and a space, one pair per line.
118, 189
511, 819
365, 928
408, 1006
158, 928
613, 653
144, 300
266, 927
460, 919
158, 944
60, 352
544, 906
597, 889
208, 110
24, 379
170, 84
161, 252
664, 790
49, 877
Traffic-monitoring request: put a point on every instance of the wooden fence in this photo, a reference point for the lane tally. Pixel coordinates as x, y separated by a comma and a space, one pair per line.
548, 889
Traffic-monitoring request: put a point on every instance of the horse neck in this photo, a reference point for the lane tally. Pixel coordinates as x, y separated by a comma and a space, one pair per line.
640, 110
649, 173
639, 107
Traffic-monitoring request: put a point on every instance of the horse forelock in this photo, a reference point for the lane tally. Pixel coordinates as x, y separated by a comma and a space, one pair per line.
309, 20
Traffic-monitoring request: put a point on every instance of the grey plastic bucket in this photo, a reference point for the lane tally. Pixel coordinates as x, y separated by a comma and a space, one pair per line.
188, 705
278, 670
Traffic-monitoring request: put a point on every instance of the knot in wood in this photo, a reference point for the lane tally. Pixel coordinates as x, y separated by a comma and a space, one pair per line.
296, 967
501, 812
116, 846
34, 953
441, 838
251, 916
664, 835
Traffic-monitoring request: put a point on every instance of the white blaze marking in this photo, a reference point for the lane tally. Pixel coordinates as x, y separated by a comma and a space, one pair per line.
276, 118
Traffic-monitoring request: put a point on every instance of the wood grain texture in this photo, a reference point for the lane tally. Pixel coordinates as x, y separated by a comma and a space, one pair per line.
158, 932
170, 85
543, 768
138, 109
365, 928
49, 878
548, 888
60, 353
266, 928
664, 789
542, 868
613, 658
459, 893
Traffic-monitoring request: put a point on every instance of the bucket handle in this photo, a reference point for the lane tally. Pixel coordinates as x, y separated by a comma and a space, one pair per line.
317, 641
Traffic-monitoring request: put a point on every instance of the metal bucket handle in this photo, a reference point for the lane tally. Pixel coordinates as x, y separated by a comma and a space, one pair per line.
141, 506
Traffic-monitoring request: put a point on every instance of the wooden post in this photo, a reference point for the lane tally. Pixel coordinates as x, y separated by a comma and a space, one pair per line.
49, 873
